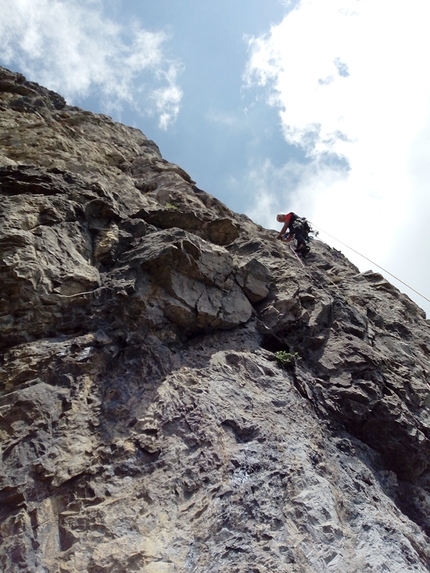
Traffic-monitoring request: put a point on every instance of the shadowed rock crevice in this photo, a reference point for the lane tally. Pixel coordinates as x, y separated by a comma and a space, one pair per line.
177, 393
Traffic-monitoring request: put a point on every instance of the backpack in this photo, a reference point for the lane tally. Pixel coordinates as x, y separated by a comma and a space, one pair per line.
300, 224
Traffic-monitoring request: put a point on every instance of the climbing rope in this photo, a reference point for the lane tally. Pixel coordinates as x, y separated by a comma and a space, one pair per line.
373, 263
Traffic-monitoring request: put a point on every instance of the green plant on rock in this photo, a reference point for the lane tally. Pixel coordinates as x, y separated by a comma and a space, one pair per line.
171, 206
287, 359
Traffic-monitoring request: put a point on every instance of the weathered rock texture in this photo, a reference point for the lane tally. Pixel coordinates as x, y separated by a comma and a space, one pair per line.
146, 424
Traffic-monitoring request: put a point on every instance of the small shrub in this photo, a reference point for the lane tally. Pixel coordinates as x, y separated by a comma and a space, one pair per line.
287, 359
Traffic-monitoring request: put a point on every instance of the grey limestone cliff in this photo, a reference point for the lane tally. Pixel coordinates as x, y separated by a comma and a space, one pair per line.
146, 423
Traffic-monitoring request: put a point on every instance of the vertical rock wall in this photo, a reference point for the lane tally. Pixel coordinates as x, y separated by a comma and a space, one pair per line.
146, 422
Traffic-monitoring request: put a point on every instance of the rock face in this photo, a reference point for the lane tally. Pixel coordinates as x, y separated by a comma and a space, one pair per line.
179, 394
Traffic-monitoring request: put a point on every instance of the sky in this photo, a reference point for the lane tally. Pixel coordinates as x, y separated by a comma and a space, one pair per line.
317, 107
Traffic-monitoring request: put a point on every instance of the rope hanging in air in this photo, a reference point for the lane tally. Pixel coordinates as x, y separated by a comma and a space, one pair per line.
373, 263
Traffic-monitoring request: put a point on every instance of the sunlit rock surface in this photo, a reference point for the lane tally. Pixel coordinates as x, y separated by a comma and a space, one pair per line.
146, 423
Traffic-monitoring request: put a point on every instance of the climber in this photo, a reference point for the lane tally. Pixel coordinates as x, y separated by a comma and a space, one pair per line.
298, 229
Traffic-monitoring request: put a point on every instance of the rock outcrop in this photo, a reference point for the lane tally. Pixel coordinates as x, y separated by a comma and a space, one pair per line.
179, 394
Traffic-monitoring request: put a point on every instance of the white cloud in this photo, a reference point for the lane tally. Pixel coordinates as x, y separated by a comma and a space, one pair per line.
349, 80
73, 48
